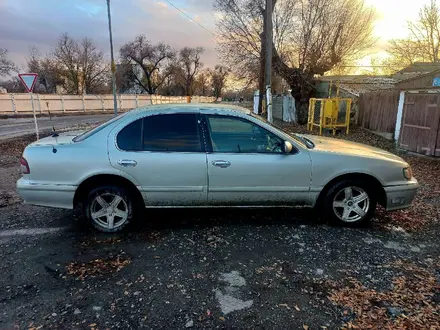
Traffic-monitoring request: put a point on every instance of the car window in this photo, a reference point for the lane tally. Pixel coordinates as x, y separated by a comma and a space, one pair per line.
237, 135
173, 132
95, 129
130, 137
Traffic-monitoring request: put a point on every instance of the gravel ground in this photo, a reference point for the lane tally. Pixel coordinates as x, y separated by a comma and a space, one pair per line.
270, 268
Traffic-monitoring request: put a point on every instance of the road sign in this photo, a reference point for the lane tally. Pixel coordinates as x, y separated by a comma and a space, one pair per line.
28, 80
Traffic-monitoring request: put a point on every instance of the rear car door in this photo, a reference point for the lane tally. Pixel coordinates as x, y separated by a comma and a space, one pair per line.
165, 154
246, 165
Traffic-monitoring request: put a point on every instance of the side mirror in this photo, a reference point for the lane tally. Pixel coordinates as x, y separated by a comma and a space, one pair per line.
287, 147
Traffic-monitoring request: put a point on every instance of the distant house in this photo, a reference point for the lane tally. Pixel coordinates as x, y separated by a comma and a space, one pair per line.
421, 81
416, 69
354, 85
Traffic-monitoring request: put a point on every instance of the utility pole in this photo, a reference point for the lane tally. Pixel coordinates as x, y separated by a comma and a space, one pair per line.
113, 65
268, 74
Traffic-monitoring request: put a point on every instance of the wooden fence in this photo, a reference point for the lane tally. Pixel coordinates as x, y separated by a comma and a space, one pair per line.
378, 111
15, 104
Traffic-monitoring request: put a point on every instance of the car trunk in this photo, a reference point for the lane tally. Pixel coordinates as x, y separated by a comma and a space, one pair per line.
57, 139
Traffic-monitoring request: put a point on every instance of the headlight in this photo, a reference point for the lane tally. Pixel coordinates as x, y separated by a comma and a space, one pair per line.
407, 173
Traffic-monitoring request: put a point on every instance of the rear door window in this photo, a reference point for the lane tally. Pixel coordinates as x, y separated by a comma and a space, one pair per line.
172, 132
130, 137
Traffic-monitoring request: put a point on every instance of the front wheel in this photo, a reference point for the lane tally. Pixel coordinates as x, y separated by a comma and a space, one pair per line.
350, 203
109, 208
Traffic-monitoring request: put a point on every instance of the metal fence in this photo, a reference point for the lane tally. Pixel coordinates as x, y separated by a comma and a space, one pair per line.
15, 104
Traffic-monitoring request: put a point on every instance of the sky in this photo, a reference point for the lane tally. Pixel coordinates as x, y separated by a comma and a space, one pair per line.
40, 22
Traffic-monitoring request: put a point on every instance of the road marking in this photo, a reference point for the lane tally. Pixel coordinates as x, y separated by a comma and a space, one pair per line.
30, 231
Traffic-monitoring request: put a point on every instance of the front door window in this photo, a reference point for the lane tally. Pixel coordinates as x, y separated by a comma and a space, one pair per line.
237, 135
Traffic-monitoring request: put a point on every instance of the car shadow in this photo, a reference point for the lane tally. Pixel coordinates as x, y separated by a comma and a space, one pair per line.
187, 218
167, 220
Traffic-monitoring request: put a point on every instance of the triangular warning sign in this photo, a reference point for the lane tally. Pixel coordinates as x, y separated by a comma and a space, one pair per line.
28, 80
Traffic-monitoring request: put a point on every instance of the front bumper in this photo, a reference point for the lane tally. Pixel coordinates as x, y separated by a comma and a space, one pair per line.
50, 195
400, 197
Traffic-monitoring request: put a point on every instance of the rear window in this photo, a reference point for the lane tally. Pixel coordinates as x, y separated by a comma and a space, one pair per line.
162, 133
130, 137
173, 132
88, 133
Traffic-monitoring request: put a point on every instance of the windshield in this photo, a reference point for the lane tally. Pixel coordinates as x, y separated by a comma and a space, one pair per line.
95, 129
298, 138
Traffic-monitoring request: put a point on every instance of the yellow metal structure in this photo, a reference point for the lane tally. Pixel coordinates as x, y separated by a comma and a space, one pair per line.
326, 113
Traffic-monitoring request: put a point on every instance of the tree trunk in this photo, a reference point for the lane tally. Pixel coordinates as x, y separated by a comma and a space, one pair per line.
262, 75
300, 82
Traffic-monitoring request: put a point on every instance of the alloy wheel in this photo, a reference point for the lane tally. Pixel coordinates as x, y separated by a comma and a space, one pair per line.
351, 204
109, 210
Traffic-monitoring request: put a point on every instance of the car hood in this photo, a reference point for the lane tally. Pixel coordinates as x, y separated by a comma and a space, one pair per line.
58, 139
343, 147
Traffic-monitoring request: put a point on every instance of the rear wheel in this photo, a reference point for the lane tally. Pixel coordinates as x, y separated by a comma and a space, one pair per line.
109, 208
350, 202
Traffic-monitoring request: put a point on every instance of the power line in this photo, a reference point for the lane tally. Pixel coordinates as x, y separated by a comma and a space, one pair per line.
186, 15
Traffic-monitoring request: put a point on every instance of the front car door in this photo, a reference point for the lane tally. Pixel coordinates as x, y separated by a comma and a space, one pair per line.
165, 153
247, 166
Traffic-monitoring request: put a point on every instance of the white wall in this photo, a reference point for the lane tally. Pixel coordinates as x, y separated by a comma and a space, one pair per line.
11, 104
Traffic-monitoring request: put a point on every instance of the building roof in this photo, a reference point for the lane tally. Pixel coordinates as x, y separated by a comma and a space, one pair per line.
358, 84
420, 76
420, 67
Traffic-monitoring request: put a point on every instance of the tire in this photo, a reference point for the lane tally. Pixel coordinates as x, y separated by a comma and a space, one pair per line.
109, 209
350, 203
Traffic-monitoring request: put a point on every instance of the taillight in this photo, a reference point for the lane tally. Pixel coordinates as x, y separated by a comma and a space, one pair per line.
24, 166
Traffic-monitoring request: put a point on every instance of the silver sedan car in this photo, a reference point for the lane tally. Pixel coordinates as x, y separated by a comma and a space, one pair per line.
208, 155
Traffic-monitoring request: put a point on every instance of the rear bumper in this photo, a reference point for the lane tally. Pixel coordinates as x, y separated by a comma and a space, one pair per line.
400, 197
60, 196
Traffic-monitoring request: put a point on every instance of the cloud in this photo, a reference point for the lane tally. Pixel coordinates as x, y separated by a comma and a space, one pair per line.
24, 23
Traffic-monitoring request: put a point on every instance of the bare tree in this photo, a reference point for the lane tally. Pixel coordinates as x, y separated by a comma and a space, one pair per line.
48, 70
316, 37
66, 55
405, 52
153, 60
425, 32
174, 83
422, 43
189, 61
95, 74
202, 83
6, 66
13, 85
218, 77
82, 66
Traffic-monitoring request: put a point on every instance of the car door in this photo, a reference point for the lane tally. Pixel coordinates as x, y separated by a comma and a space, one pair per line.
247, 166
165, 154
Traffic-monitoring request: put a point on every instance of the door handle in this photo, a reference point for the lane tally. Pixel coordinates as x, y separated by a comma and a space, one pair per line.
221, 163
127, 162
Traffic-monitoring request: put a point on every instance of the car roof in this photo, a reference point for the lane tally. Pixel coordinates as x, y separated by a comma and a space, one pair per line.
193, 107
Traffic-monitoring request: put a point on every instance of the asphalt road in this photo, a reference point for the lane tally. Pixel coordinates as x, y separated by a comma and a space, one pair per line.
14, 127
225, 269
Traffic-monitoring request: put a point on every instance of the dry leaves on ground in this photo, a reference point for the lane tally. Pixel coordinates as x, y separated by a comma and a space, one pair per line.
97, 267
426, 207
412, 303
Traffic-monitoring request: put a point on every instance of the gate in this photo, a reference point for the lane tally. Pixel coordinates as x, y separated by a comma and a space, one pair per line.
421, 124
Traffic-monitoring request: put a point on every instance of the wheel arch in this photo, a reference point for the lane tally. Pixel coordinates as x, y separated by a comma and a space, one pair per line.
368, 178
106, 179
